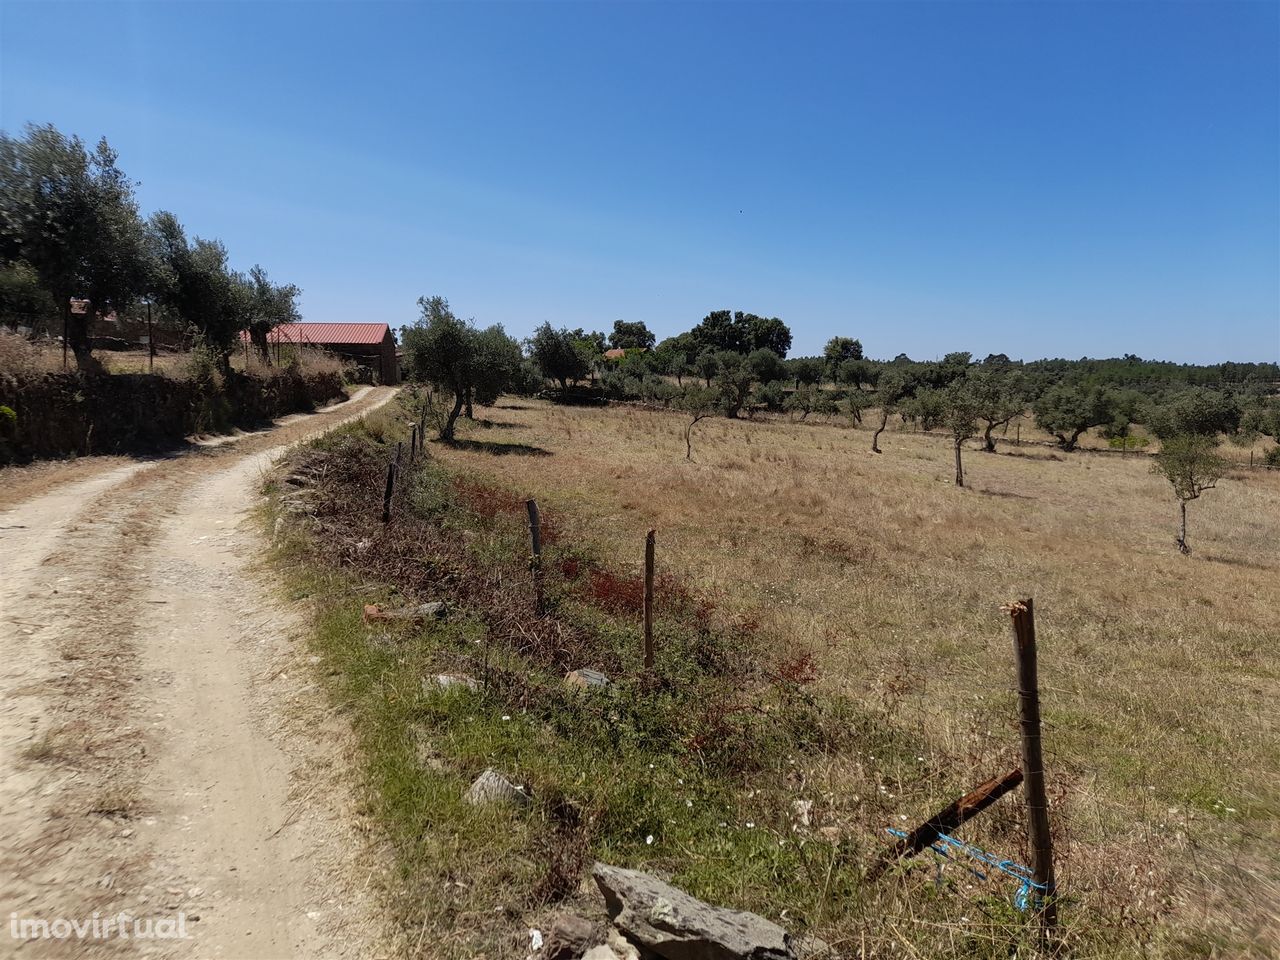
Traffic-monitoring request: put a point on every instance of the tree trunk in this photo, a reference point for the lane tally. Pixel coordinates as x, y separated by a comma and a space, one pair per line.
78, 340
1182, 534
959, 464
988, 444
446, 429
258, 336
471, 392
875, 437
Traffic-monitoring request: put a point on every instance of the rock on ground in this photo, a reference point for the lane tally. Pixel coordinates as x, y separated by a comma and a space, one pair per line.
672, 924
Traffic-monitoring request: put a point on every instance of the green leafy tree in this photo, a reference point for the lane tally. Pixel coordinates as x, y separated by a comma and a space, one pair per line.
1191, 464
1067, 410
192, 281
998, 397
707, 365
741, 333
766, 366
855, 373
809, 398
840, 350
806, 370
70, 213
1196, 410
956, 410
630, 335
896, 385
23, 301
699, 403
451, 354
733, 382
265, 306
557, 356
668, 359
497, 366
772, 396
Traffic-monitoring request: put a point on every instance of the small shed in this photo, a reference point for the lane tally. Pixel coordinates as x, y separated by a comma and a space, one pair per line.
371, 345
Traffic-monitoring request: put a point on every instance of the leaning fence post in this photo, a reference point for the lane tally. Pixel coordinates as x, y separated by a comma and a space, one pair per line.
648, 600
386, 496
948, 819
413, 442
535, 560
1024, 649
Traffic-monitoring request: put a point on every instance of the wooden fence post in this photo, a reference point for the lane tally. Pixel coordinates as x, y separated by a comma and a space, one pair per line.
413, 442
948, 819
1022, 615
648, 599
535, 560
386, 496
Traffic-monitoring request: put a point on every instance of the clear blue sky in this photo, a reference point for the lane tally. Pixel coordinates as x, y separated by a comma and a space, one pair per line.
1030, 178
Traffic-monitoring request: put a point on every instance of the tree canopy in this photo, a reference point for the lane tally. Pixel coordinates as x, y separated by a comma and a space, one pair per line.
630, 335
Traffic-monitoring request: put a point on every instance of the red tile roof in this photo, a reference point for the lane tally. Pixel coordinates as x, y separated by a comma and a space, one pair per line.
326, 334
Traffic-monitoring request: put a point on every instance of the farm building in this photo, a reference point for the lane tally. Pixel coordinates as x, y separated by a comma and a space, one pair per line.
371, 345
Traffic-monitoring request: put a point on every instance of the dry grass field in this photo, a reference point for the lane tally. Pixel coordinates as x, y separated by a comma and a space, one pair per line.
1159, 672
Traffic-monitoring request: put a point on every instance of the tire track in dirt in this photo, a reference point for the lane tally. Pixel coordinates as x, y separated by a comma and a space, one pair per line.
152, 716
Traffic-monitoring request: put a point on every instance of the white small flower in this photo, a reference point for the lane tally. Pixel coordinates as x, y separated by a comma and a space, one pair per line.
649, 839
688, 803
750, 825
506, 717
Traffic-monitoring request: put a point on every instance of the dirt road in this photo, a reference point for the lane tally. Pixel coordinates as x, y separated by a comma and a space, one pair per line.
164, 752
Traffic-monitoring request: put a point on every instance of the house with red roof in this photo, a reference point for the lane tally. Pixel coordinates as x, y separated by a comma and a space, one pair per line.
370, 345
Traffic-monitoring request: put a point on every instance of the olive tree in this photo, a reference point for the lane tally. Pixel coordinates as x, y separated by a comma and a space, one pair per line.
896, 385
699, 403
558, 356
1067, 410
1191, 464
450, 353
70, 213
998, 397
955, 409
191, 280
733, 382
266, 306
1197, 410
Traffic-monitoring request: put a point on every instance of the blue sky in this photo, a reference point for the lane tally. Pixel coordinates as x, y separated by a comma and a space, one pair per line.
1031, 178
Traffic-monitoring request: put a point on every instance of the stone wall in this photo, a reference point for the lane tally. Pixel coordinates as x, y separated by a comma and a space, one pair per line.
74, 413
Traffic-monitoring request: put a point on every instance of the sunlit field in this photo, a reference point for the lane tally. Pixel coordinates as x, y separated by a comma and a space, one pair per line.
1158, 671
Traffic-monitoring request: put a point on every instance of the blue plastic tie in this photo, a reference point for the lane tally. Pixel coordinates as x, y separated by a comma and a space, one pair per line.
1030, 893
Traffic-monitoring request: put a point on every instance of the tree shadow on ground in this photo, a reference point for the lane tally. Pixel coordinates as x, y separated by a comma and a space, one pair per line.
501, 449
1002, 493
501, 425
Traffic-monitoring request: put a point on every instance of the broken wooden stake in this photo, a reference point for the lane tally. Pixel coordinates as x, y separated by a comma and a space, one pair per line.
648, 600
386, 496
535, 559
947, 819
1024, 650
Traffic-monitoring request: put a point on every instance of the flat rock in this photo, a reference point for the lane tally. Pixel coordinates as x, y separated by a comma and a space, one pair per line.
492, 788
668, 922
587, 679
449, 681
